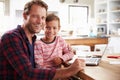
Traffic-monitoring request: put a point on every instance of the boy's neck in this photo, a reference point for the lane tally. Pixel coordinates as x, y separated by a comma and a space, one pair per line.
47, 40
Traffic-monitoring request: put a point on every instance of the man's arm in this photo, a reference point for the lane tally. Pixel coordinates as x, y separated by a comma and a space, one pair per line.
77, 66
17, 56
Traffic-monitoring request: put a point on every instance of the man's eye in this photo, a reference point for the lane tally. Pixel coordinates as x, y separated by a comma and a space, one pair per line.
34, 16
43, 18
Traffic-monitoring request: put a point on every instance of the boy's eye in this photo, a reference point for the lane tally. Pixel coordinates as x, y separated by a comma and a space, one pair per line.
47, 27
54, 28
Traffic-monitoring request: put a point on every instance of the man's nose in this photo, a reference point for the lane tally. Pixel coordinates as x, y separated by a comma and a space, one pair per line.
39, 20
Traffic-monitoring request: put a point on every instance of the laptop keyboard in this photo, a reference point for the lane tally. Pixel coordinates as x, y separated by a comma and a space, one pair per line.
92, 61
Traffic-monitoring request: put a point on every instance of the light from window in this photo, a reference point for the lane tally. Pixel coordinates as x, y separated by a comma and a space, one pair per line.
78, 17
1, 9
78, 14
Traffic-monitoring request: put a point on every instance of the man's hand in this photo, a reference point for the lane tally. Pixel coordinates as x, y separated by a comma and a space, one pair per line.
71, 70
78, 65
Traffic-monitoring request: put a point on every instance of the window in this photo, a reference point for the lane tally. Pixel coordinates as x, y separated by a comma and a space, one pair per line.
4, 7
78, 17
1, 8
78, 14
4, 16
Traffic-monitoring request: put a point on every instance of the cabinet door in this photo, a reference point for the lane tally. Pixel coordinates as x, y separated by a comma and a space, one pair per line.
107, 14
101, 16
114, 16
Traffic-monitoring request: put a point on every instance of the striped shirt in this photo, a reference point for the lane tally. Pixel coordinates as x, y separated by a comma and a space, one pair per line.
45, 52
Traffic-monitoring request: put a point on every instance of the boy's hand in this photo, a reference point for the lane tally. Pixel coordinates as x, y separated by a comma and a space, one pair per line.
57, 61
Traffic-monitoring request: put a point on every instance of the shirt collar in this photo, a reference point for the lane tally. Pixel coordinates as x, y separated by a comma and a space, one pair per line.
24, 35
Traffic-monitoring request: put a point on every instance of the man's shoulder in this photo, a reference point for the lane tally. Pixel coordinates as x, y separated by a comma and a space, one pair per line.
11, 34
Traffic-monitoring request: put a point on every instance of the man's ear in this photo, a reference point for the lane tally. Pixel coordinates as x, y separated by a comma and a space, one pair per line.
24, 16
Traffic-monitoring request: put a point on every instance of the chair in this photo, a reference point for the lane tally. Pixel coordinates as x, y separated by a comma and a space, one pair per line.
81, 50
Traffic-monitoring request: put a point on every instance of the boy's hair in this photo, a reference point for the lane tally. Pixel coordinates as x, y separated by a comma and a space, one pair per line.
28, 5
51, 17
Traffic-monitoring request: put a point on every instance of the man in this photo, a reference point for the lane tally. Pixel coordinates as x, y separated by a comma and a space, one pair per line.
17, 49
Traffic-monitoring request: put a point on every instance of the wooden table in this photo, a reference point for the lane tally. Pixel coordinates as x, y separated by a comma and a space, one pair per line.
88, 41
104, 71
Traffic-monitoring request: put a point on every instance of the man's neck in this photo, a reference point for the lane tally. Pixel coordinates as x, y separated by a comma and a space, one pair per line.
28, 34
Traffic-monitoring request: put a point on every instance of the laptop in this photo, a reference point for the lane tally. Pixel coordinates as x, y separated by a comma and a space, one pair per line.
95, 59
90, 60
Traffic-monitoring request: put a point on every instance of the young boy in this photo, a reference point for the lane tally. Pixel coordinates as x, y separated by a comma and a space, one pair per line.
52, 50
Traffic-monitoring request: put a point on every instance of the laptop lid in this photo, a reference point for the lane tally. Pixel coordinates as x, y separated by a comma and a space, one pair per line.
95, 59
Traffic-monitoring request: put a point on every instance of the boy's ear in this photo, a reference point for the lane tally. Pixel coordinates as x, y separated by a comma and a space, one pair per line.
59, 28
43, 26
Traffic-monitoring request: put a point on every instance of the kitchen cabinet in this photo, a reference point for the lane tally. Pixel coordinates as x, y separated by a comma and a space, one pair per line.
107, 16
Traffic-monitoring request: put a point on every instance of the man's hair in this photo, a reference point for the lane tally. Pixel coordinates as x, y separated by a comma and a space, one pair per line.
51, 17
28, 5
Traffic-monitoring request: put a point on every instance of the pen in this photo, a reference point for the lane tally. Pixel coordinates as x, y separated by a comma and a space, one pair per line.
113, 57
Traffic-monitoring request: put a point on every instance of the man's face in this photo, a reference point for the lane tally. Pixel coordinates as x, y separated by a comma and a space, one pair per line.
35, 20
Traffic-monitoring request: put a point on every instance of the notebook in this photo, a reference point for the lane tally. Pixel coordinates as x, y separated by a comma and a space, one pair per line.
95, 59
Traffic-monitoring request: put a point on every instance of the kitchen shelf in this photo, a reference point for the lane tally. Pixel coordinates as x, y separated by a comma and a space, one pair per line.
107, 15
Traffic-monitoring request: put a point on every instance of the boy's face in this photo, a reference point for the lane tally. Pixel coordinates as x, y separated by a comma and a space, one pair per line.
51, 29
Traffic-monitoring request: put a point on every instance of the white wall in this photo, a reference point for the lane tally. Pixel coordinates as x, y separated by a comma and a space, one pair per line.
61, 8
89, 3
10, 21
114, 44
